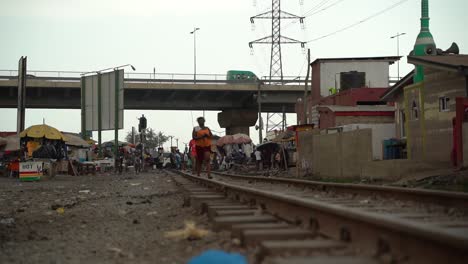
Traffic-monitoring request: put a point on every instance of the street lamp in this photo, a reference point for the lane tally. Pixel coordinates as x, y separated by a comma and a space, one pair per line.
397, 36
194, 33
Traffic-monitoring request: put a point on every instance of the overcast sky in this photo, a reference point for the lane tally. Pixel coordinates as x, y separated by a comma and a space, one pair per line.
88, 35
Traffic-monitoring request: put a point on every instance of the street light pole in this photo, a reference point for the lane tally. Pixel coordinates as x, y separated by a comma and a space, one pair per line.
194, 33
397, 36
259, 102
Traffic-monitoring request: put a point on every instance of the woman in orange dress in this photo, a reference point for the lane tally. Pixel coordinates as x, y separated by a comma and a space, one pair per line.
202, 136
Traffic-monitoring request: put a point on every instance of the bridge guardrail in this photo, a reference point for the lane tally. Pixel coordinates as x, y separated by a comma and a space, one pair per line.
145, 77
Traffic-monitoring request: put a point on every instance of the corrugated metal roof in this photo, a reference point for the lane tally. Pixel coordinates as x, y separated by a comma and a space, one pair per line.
448, 62
390, 59
365, 108
407, 80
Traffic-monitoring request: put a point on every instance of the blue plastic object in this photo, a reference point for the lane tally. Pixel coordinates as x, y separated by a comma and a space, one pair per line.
218, 257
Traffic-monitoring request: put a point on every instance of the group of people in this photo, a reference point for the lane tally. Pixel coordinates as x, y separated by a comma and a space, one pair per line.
200, 153
128, 159
272, 160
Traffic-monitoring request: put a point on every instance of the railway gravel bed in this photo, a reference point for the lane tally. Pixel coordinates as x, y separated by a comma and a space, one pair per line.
383, 199
98, 219
374, 224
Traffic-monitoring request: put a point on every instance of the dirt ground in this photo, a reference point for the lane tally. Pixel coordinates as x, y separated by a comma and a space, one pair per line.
98, 219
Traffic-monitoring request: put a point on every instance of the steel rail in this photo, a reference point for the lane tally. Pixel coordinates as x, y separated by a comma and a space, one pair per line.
369, 232
443, 198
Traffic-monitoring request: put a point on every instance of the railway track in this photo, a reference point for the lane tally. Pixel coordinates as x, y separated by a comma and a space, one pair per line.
315, 222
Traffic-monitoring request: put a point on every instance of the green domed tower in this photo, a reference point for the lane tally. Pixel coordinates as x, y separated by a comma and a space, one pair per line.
425, 44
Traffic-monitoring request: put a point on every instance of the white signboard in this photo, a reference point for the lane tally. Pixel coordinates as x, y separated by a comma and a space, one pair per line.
109, 85
31, 171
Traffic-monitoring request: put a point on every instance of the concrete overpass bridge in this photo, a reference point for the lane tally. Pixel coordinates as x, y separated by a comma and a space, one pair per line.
236, 100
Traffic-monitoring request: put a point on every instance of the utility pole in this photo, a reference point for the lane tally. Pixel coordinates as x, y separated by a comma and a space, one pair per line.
397, 36
306, 90
275, 40
22, 76
260, 121
177, 142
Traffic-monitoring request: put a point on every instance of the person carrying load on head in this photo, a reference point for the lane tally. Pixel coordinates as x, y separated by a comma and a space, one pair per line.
202, 136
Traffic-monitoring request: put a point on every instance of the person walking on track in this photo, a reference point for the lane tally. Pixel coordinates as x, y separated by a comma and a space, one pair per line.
193, 155
202, 136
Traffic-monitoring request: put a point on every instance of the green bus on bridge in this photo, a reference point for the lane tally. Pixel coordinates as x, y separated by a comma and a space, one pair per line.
240, 76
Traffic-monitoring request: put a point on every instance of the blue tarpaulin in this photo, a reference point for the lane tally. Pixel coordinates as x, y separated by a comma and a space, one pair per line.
217, 257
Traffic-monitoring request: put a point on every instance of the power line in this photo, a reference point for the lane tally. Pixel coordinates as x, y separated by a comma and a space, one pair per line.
316, 10
323, 9
317, 7
359, 22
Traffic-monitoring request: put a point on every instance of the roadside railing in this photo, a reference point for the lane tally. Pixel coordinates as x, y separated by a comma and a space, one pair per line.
149, 77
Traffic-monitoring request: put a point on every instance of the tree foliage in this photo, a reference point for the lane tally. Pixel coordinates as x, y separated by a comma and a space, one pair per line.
153, 139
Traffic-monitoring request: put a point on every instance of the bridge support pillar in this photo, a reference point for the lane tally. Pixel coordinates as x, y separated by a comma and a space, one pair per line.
237, 120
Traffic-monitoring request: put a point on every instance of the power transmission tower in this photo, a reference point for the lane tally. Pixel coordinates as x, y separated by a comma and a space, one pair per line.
276, 63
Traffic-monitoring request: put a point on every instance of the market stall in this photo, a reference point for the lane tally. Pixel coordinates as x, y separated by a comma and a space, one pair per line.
9, 156
79, 155
42, 147
236, 148
287, 141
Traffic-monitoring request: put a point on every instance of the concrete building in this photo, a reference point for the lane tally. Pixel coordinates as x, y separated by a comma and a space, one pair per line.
345, 73
395, 95
355, 102
344, 82
331, 116
427, 109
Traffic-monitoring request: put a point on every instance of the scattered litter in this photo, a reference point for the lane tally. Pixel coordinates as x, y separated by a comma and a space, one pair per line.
119, 252
364, 202
146, 201
55, 206
146, 188
84, 191
152, 213
135, 184
7, 221
122, 212
236, 242
452, 211
60, 210
190, 232
114, 249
